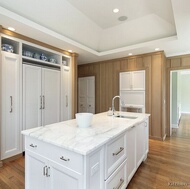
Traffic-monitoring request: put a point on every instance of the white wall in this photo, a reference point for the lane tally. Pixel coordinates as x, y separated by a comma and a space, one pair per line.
185, 91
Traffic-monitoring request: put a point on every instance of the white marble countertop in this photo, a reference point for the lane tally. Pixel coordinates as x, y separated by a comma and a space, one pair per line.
85, 140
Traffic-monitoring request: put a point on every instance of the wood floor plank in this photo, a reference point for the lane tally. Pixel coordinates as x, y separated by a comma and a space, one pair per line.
167, 165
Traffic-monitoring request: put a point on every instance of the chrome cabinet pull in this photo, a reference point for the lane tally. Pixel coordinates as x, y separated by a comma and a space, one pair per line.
48, 172
40, 102
33, 146
119, 185
43, 107
45, 170
66, 101
116, 153
11, 107
64, 159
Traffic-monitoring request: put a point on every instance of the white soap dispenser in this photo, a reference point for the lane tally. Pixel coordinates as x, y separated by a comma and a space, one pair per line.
109, 113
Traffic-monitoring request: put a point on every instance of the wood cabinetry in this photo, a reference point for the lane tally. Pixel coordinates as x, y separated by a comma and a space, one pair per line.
107, 77
41, 96
10, 105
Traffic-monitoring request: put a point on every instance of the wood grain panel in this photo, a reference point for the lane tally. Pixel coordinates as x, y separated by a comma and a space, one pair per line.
156, 96
139, 63
124, 64
132, 63
175, 62
185, 61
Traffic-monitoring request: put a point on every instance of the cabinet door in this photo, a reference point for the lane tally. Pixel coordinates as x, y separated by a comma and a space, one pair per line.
131, 152
82, 92
35, 167
146, 130
61, 177
138, 80
31, 96
66, 112
10, 126
125, 81
91, 94
140, 143
50, 96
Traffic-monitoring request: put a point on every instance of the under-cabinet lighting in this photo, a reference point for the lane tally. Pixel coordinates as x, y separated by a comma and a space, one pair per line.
116, 10
11, 28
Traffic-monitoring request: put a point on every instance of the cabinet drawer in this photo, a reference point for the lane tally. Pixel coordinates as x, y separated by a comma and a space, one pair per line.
115, 154
37, 146
118, 180
68, 159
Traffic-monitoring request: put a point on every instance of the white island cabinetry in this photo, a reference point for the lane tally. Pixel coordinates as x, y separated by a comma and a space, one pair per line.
62, 155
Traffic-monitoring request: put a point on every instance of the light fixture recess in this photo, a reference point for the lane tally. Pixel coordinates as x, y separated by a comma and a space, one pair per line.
11, 28
70, 51
157, 49
130, 54
116, 10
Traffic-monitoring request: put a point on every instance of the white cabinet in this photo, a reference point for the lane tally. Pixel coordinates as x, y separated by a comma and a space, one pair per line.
41, 96
131, 152
86, 94
140, 143
47, 169
132, 80
66, 90
137, 147
10, 101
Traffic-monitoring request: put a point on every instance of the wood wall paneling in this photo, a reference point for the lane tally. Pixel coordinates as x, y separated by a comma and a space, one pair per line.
107, 84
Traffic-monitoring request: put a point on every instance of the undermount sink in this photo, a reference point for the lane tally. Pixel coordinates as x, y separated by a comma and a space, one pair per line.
127, 117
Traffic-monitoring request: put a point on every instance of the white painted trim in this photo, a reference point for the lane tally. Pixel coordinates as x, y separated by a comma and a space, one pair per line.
174, 126
185, 112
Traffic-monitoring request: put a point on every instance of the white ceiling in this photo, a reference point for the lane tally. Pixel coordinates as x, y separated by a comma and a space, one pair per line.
91, 29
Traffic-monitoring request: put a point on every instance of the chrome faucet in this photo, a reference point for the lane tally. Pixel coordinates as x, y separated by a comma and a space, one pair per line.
113, 108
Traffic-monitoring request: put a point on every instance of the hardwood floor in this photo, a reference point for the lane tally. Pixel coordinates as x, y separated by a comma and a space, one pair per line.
167, 165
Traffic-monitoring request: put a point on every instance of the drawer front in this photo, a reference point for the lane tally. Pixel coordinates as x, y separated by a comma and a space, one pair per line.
115, 154
70, 160
37, 146
118, 180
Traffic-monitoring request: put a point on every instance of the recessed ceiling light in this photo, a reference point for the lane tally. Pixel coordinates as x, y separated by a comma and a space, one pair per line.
11, 28
157, 49
70, 51
130, 54
116, 10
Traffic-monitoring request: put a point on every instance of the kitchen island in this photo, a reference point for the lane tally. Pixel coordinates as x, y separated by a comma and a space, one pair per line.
103, 156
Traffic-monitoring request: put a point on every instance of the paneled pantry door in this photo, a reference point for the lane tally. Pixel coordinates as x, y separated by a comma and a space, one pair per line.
41, 96
86, 91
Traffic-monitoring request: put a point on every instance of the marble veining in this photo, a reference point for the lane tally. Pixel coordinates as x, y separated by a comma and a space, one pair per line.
85, 140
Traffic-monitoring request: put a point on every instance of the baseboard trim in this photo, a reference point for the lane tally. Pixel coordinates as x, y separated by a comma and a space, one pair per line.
155, 138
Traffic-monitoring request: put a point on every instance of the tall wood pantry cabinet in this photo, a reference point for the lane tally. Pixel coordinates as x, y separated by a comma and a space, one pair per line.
10, 105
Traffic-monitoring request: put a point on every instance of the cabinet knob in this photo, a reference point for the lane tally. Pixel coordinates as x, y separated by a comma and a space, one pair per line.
33, 146
64, 159
116, 153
